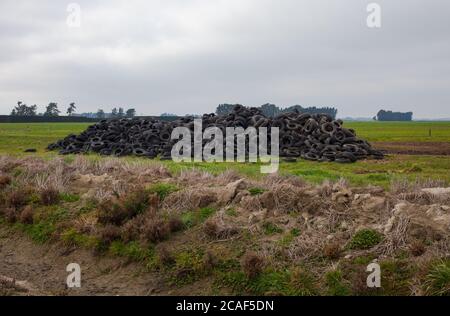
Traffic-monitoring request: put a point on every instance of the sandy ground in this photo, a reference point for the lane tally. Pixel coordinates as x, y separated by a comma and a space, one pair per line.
30, 269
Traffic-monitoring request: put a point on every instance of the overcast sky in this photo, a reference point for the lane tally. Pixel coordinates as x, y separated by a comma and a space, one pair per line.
188, 56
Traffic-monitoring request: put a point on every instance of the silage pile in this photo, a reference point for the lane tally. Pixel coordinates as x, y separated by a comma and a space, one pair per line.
316, 137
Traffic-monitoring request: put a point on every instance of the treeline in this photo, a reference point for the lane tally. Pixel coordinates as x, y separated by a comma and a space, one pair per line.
394, 116
271, 110
52, 110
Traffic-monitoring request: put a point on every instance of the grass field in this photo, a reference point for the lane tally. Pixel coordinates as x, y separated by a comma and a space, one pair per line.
15, 138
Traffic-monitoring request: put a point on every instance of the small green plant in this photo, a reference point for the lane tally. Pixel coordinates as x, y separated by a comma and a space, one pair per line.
205, 213
271, 229
189, 266
289, 237
438, 279
69, 198
132, 250
74, 238
365, 239
188, 219
192, 218
303, 283
295, 232
336, 284
163, 189
231, 212
256, 191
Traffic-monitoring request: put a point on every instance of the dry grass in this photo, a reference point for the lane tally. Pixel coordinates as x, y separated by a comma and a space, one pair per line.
252, 264
165, 257
49, 196
175, 224
5, 180
155, 229
332, 250
26, 216
189, 199
215, 228
109, 233
18, 198
417, 248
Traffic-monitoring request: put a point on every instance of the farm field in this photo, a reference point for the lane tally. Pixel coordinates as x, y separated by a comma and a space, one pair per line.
422, 156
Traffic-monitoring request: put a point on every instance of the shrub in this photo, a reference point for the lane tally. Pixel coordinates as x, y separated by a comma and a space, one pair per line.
117, 212
417, 248
252, 264
155, 229
5, 180
49, 196
332, 251
365, 239
109, 233
18, 198
175, 224
137, 201
209, 260
10, 215
165, 257
131, 230
26, 216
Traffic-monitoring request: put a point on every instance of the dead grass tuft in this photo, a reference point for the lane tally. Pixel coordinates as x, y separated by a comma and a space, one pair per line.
18, 197
49, 196
165, 257
155, 229
175, 224
252, 264
417, 248
332, 250
5, 180
11, 215
215, 228
189, 199
109, 233
26, 216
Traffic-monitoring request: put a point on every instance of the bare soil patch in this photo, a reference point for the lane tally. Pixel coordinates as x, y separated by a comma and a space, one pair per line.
414, 148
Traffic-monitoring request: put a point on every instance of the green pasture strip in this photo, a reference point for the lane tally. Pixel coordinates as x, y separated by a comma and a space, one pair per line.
402, 131
15, 137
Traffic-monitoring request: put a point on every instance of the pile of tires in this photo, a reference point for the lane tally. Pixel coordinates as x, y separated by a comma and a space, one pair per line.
316, 137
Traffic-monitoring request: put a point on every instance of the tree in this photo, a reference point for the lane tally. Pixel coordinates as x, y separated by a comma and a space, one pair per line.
120, 114
100, 113
114, 112
394, 116
52, 109
23, 110
131, 113
224, 109
71, 109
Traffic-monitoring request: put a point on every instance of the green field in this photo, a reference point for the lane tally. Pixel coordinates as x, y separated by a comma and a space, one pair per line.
16, 137
402, 131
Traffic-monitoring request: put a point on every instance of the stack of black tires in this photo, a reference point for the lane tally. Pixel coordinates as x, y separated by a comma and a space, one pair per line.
316, 137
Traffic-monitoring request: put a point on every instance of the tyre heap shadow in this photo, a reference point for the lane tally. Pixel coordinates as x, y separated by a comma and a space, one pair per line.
313, 137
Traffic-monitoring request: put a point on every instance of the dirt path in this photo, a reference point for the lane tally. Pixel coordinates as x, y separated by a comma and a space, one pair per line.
414, 148
30, 269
